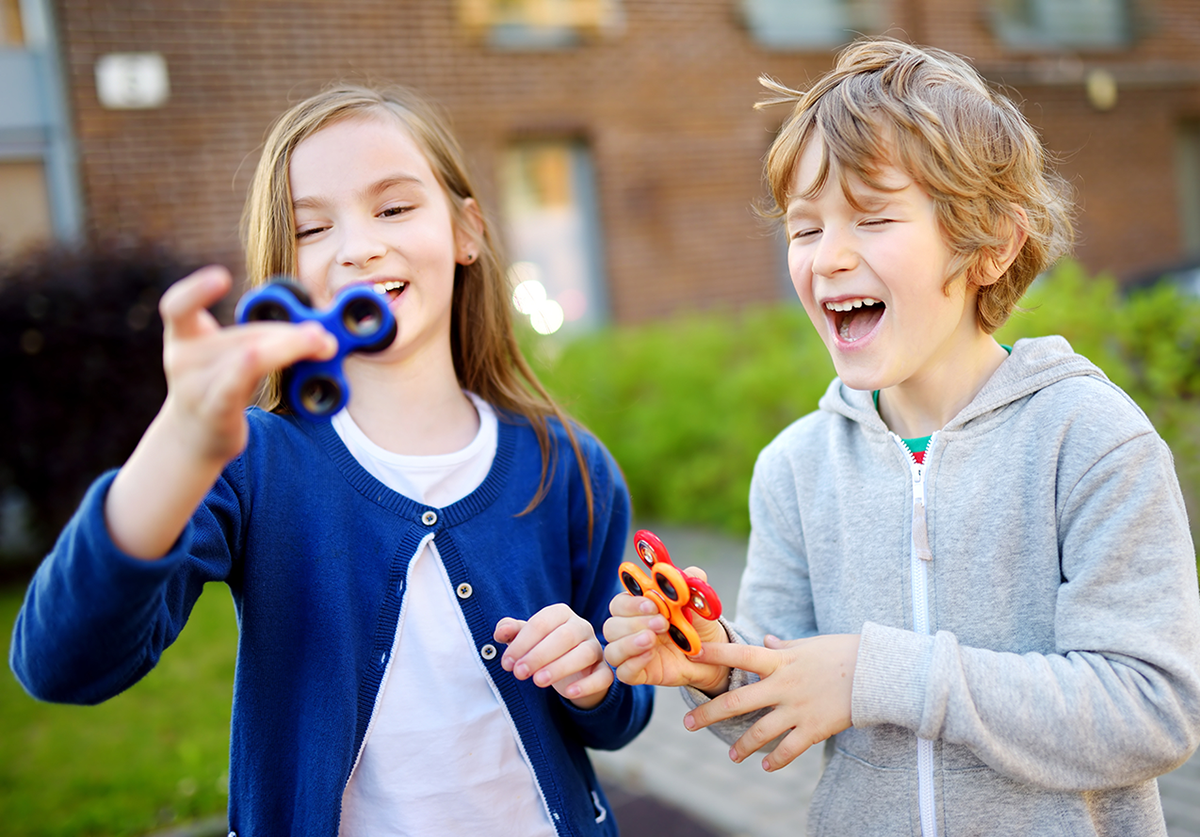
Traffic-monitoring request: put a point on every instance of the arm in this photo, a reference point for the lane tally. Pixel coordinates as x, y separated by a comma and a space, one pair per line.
212, 374
121, 581
1118, 699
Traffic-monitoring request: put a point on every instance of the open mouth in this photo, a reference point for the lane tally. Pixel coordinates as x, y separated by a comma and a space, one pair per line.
391, 289
854, 319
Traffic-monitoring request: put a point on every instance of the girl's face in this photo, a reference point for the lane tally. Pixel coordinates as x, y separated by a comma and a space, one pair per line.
370, 211
873, 281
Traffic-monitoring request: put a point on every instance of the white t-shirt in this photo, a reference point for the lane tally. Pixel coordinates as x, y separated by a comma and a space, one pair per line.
441, 755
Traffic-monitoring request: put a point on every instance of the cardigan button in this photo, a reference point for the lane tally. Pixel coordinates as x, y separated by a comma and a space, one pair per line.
464, 590
429, 518
488, 652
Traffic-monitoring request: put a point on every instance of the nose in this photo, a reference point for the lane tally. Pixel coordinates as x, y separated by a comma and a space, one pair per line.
358, 245
835, 251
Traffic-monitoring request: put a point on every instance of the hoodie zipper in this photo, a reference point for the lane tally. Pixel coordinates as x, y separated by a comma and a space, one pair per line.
920, 557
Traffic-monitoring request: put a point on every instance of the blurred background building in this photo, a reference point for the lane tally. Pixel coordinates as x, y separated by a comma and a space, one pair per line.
614, 139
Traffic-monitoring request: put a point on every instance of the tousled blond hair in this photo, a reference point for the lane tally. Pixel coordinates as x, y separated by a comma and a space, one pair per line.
483, 344
929, 113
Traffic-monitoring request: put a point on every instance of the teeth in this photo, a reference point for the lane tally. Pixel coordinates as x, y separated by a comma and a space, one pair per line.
851, 304
384, 287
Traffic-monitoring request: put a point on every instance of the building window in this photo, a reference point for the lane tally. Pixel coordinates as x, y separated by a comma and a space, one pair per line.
1057, 24
552, 230
24, 206
539, 24
39, 191
812, 24
12, 34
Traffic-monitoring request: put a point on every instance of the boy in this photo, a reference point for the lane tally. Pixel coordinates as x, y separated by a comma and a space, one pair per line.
972, 565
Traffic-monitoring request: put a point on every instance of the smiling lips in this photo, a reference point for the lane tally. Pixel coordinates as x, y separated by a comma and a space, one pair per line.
855, 318
391, 288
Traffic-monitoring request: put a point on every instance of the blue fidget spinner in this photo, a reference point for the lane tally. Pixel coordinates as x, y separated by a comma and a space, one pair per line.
360, 320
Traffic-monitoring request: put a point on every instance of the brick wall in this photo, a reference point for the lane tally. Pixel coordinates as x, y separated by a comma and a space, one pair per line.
665, 103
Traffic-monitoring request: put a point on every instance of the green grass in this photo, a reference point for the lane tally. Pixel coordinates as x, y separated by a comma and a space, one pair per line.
156, 755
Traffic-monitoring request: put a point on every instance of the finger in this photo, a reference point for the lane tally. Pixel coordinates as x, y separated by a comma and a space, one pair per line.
777, 644
731, 704
629, 646
634, 670
761, 661
192, 294
791, 747
581, 658
533, 632
507, 629
624, 604
697, 572
561, 643
587, 683
619, 627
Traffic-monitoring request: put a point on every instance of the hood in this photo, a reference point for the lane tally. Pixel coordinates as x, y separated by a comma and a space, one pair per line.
1035, 363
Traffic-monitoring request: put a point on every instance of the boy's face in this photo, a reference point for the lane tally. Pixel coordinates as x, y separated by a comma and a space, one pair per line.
873, 280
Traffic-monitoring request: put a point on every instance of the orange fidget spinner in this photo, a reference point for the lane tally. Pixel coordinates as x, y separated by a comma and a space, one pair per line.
671, 589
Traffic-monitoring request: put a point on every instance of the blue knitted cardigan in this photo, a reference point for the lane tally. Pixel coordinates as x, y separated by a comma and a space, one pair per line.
315, 551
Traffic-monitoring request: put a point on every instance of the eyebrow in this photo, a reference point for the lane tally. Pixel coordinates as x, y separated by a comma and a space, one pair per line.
374, 190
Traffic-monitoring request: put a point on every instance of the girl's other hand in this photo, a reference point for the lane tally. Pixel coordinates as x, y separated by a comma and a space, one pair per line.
556, 647
641, 651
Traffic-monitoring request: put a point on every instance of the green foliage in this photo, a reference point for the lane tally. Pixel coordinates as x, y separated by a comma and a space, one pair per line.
685, 404
155, 755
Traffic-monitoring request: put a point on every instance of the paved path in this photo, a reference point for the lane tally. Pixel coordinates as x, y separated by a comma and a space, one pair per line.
692, 771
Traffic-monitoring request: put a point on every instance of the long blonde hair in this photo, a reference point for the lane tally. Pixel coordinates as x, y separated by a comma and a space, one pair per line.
487, 358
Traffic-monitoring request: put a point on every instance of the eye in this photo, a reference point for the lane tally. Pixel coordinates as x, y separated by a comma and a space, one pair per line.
305, 232
806, 232
393, 211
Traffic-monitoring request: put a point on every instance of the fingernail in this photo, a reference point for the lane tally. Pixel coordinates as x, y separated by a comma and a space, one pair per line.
733, 754
766, 765
689, 721
522, 671
506, 663
541, 678
658, 623
647, 606
643, 640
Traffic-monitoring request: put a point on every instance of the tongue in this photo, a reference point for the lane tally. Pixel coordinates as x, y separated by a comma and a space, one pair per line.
858, 323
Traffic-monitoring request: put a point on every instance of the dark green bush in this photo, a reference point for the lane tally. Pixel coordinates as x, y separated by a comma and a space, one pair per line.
81, 373
685, 404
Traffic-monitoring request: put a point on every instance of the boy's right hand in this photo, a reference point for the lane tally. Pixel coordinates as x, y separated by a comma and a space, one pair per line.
642, 652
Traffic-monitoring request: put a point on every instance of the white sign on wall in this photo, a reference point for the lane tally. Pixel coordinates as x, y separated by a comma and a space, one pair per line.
132, 80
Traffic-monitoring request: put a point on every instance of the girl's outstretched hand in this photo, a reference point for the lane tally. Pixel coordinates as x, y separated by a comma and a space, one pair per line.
808, 682
641, 651
212, 374
556, 647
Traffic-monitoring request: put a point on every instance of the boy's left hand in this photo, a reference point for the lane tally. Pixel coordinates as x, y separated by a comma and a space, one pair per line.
556, 647
807, 681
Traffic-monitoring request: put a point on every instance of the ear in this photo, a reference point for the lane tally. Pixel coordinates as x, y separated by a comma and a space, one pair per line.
1016, 233
468, 233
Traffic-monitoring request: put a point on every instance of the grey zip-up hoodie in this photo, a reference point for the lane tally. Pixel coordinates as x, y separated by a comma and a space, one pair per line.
1030, 651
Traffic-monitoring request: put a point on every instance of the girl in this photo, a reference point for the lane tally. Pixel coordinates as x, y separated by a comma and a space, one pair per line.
377, 559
